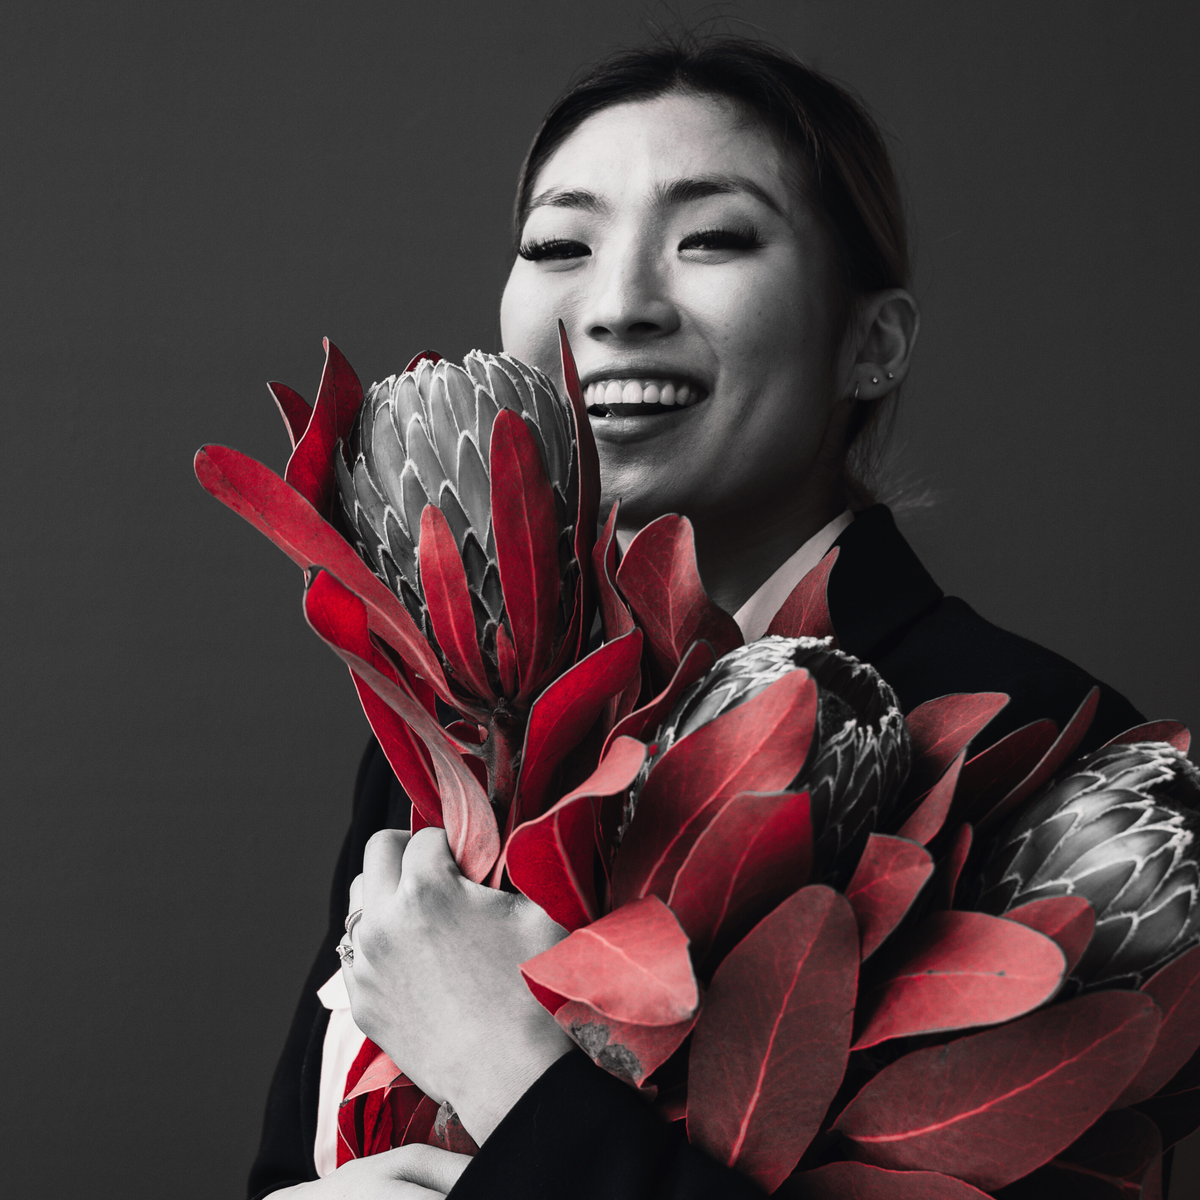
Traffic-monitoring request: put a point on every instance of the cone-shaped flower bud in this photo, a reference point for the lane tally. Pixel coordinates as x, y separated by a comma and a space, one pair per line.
1120, 830
860, 751
424, 438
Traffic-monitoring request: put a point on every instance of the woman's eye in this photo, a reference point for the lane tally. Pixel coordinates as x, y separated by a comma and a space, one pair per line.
722, 239
553, 249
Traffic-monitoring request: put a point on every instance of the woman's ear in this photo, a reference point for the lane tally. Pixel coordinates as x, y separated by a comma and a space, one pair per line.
885, 327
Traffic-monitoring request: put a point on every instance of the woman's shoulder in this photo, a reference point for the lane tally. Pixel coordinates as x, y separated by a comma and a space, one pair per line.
888, 610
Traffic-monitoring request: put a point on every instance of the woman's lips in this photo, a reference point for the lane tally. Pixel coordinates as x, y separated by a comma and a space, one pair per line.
640, 397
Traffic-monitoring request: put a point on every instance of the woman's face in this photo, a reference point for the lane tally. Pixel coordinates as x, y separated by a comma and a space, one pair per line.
695, 286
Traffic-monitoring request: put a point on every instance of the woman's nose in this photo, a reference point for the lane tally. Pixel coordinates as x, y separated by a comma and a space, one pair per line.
631, 300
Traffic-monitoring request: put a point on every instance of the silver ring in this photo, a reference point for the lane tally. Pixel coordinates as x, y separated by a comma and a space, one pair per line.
352, 919
346, 954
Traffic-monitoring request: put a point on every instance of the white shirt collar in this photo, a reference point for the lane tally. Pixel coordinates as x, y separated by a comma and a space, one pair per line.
757, 613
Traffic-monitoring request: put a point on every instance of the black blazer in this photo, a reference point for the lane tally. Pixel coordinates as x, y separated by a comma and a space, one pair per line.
579, 1133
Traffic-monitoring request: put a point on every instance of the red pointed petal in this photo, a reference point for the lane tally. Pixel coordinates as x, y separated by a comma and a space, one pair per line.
550, 859
1069, 920
405, 753
805, 613
506, 660
614, 613
588, 463
993, 1106
857, 1181
758, 746
698, 660
888, 878
340, 396
929, 815
771, 1044
631, 965
659, 579
1176, 989
950, 868
994, 772
631, 1052
942, 729
1155, 731
444, 582
339, 618
564, 713
295, 410
526, 528
756, 851
257, 494
1064, 746
381, 1073
960, 969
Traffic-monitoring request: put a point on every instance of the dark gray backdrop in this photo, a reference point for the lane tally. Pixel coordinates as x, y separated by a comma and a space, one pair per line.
195, 194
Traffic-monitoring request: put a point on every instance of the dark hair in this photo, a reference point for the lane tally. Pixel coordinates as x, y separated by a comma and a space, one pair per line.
848, 176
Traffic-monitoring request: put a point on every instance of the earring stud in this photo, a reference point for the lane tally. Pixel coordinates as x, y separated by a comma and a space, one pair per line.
856, 392
874, 378
890, 375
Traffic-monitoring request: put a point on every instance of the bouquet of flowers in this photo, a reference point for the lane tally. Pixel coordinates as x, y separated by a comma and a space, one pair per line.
847, 953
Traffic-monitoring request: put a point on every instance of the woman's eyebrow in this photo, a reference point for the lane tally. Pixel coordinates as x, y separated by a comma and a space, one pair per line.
678, 191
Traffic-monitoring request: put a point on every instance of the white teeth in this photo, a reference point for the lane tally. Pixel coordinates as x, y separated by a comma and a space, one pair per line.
638, 391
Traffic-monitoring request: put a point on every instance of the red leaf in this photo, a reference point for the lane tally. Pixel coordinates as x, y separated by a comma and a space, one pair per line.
756, 850
588, 463
295, 410
994, 772
432, 357
340, 396
1155, 731
889, 877
927, 818
550, 858
444, 582
942, 729
340, 619
960, 969
631, 965
631, 1052
759, 746
805, 613
1064, 746
381, 1072
448, 1133
616, 617
506, 660
1176, 990
526, 528
857, 1181
771, 1044
420, 1126
950, 868
564, 713
283, 515
405, 752
659, 579
1175, 1108
992, 1106
1118, 1157
1069, 920
697, 661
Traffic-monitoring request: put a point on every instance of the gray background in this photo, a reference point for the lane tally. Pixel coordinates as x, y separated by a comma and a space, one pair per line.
194, 194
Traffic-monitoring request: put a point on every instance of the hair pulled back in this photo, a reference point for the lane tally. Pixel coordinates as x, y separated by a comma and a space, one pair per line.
846, 172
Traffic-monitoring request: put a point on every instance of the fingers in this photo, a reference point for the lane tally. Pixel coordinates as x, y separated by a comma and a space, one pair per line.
427, 1166
356, 892
428, 860
381, 866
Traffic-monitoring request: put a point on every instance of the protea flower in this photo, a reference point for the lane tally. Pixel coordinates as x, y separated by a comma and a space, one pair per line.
1120, 830
859, 755
425, 438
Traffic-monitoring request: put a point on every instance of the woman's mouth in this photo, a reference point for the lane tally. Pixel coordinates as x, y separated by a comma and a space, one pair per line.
640, 397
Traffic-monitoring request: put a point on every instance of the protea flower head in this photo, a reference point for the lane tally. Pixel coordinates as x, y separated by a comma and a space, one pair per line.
424, 440
1120, 830
859, 756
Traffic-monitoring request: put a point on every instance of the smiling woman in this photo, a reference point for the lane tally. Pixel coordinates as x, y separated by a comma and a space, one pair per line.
719, 230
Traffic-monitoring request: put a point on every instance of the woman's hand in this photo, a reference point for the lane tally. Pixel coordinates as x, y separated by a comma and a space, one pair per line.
435, 980
406, 1173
